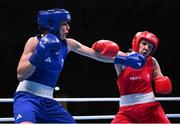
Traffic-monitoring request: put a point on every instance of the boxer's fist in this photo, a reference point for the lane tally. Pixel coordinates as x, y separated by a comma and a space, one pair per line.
134, 60
163, 85
106, 47
47, 44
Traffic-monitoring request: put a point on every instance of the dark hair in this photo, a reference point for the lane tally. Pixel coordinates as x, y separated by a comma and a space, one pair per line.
130, 50
42, 30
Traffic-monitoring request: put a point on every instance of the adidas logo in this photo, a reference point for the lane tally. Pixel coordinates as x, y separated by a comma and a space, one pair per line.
139, 64
18, 116
48, 60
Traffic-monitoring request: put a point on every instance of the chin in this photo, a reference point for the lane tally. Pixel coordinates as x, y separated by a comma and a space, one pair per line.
62, 38
144, 54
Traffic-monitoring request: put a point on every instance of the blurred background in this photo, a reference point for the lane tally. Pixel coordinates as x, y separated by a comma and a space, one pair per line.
116, 20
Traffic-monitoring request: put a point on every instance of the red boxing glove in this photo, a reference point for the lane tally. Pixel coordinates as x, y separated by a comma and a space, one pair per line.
163, 85
106, 47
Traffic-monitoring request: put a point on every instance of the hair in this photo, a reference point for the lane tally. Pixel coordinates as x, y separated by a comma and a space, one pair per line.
42, 30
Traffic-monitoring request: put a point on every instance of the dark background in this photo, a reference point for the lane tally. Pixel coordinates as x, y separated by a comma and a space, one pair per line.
117, 20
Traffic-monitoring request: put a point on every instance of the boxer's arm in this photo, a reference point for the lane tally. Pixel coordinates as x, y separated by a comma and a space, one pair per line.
25, 68
156, 69
162, 83
81, 49
105, 51
110, 48
118, 67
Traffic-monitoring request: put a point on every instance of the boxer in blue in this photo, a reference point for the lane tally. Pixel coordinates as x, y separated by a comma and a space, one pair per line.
42, 61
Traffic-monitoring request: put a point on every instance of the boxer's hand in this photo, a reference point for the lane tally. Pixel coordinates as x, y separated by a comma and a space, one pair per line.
47, 44
134, 60
163, 85
106, 47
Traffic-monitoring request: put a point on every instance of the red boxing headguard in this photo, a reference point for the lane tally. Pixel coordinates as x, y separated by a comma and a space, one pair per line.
145, 35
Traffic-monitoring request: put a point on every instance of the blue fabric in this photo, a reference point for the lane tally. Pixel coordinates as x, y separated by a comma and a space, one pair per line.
50, 68
28, 107
134, 60
51, 19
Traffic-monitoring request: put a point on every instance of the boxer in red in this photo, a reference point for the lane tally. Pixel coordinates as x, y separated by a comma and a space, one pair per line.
137, 104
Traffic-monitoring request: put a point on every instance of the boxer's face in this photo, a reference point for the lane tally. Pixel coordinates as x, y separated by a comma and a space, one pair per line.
64, 30
145, 48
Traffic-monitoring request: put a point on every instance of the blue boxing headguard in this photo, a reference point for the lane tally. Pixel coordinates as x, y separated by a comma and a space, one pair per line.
52, 19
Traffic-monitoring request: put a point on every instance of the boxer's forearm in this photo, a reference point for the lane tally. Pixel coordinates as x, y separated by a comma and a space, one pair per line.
25, 68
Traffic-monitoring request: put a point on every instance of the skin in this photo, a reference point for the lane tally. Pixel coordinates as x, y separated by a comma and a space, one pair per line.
145, 48
26, 69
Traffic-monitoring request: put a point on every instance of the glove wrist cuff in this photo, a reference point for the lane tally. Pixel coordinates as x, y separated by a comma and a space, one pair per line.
120, 60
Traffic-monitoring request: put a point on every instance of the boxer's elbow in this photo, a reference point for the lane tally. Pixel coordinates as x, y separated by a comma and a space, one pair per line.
22, 74
25, 71
20, 77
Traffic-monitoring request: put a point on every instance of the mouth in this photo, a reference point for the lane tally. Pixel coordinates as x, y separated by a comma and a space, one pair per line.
63, 36
144, 53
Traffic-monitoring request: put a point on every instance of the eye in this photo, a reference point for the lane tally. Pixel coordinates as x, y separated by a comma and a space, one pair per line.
64, 23
144, 43
150, 47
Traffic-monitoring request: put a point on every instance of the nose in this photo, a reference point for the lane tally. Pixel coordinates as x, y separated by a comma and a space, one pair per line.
68, 27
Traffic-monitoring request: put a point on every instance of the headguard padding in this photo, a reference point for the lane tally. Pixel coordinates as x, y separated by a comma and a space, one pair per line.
52, 19
145, 35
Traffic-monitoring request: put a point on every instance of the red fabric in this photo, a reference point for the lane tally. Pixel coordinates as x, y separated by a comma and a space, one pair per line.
106, 47
151, 112
132, 81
